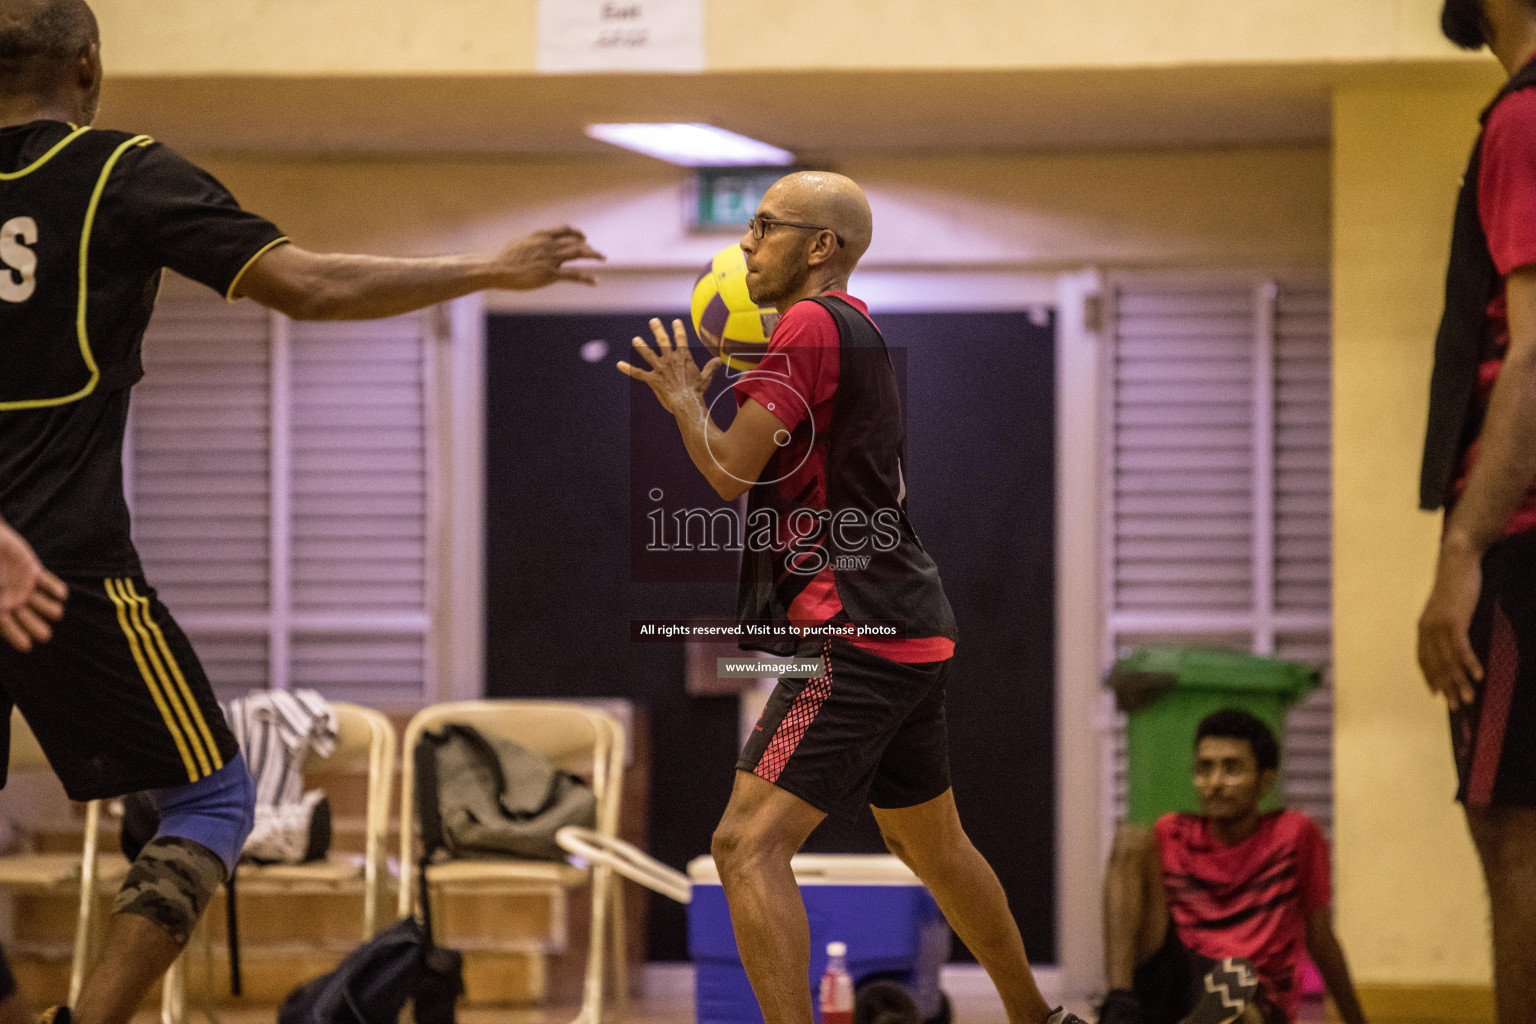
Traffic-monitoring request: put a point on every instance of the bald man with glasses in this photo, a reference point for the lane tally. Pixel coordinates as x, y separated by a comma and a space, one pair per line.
817, 446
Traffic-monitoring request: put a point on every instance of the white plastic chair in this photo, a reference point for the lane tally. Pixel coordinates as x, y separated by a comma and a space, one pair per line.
59, 872
575, 738
365, 742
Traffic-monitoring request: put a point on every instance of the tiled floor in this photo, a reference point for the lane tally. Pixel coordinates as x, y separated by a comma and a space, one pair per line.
669, 1000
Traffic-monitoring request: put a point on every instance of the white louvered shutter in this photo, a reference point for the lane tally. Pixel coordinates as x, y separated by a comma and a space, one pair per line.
279, 478
1182, 442
1216, 520
1304, 533
201, 478
360, 448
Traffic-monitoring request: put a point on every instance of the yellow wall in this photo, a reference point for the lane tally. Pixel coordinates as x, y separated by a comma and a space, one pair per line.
1411, 907
479, 36
1237, 207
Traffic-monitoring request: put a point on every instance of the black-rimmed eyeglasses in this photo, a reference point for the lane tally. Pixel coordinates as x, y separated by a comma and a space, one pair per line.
760, 226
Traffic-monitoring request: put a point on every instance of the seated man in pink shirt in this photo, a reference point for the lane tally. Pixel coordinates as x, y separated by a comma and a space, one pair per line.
1208, 917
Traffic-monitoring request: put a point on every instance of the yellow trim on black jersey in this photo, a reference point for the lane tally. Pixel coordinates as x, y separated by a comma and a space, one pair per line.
229, 293
81, 332
35, 164
203, 732
149, 681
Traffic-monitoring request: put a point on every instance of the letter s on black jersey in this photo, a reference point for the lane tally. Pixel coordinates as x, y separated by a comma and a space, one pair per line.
19, 279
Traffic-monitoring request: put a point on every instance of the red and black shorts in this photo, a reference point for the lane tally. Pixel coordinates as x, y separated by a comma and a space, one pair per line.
1495, 736
865, 730
117, 699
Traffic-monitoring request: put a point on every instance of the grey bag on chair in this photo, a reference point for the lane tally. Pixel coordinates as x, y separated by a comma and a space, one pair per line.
496, 798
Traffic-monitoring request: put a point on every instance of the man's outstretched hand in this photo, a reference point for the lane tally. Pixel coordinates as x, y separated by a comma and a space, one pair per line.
674, 376
540, 259
31, 597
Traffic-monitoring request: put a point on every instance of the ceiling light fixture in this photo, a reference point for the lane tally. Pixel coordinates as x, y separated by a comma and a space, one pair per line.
692, 145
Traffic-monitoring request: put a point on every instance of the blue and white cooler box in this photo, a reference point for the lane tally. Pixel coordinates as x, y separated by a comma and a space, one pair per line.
875, 904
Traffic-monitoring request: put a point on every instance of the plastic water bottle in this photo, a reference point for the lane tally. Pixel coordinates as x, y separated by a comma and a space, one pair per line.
837, 987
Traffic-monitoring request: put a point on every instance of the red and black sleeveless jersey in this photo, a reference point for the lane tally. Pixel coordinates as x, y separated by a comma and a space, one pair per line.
827, 537
88, 218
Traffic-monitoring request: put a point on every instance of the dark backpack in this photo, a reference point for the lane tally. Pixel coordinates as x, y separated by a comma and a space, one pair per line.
372, 984
481, 796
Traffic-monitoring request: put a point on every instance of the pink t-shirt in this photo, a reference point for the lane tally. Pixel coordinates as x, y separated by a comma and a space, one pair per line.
1249, 900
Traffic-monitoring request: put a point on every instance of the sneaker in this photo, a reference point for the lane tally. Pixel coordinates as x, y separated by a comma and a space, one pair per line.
1228, 988
1119, 1007
1061, 1016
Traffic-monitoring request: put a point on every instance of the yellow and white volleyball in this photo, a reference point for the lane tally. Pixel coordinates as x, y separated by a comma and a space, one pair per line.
728, 322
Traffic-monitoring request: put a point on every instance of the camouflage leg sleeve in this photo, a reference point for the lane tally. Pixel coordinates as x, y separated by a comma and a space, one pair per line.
170, 884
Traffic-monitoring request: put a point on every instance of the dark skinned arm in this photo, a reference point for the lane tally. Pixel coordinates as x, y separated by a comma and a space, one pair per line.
308, 285
731, 459
1505, 467
1324, 949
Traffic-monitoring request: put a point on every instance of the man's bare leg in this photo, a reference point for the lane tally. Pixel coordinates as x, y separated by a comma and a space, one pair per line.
929, 840
1506, 843
166, 891
762, 828
134, 956
1135, 905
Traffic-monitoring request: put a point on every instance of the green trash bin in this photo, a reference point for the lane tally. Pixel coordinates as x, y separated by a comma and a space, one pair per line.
1166, 691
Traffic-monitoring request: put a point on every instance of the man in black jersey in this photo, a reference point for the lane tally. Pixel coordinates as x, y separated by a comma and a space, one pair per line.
96, 665
817, 446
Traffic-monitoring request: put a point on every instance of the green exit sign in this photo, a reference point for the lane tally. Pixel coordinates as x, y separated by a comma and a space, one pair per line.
728, 196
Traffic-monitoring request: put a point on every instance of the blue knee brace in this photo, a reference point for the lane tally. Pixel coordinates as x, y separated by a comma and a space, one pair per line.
217, 811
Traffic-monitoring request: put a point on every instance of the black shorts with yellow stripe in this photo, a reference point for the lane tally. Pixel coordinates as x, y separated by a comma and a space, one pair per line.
117, 699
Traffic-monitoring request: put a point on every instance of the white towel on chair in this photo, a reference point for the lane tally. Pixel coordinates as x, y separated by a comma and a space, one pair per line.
277, 729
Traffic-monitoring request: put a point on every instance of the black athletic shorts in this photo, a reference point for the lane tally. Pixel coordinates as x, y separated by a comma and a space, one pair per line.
1171, 981
117, 699
866, 730
1495, 737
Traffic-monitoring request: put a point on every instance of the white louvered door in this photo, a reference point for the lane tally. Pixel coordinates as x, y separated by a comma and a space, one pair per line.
280, 481
1216, 527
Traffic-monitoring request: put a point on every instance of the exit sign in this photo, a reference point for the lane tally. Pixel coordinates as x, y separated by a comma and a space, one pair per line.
728, 196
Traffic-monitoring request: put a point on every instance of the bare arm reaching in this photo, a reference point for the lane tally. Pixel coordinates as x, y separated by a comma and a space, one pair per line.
331, 286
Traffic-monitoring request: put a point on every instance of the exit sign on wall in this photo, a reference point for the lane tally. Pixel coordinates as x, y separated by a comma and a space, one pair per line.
620, 35
728, 196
